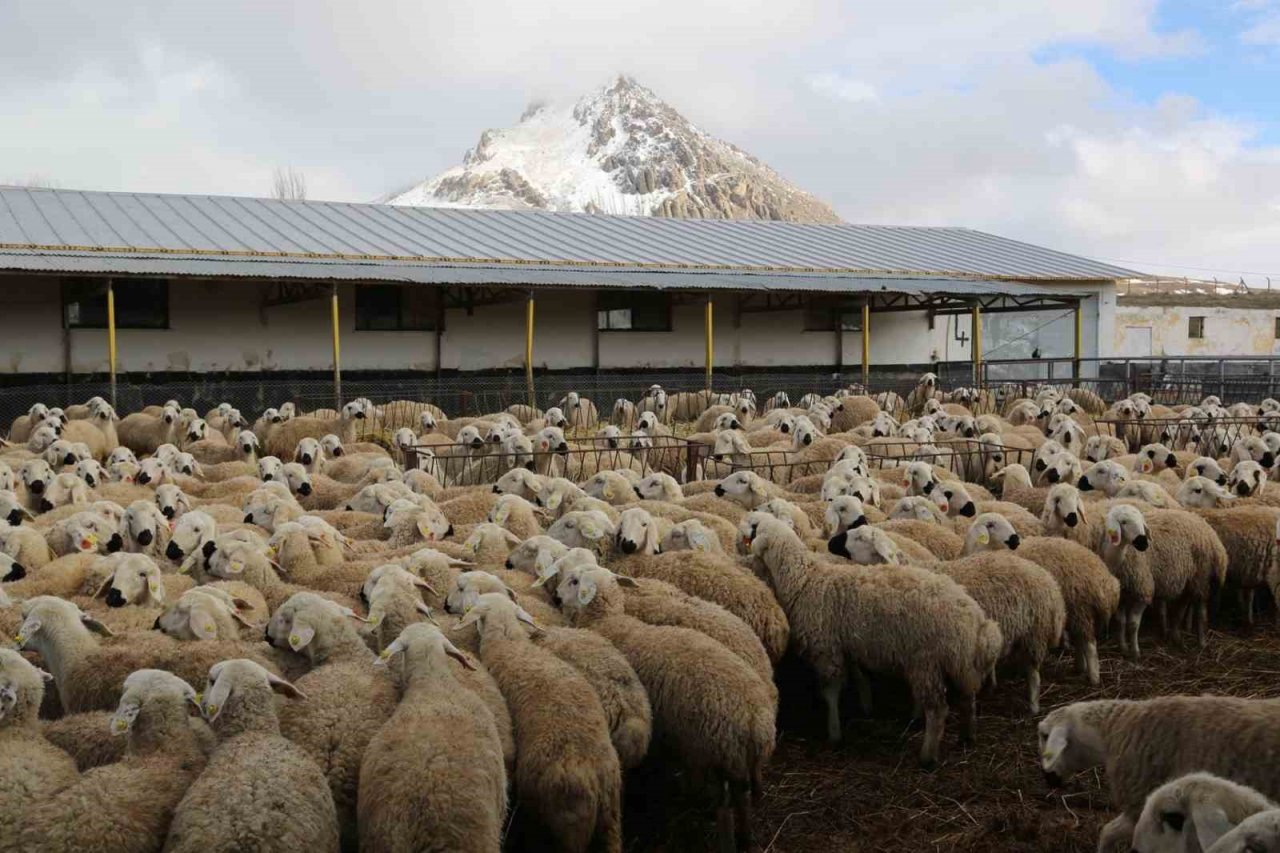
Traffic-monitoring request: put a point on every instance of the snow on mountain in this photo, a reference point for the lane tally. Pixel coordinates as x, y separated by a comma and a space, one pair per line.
617, 150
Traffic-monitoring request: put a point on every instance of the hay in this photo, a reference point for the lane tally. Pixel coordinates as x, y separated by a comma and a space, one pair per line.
869, 795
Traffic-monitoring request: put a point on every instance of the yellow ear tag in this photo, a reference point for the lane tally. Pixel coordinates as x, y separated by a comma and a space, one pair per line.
983, 537
553, 501
608, 492
590, 529
385, 654
154, 587
472, 545
20, 639
199, 698
210, 628
501, 513
119, 726
424, 527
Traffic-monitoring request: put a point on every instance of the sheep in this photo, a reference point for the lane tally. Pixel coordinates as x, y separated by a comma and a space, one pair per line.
1188, 567
1197, 806
332, 729
126, 806
224, 808
516, 515
1090, 592
84, 531
690, 535
707, 703
211, 612
936, 539
282, 439
872, 619
1259, 832
953, 499
566, 768
1246, 532
925, 389
1145, 743
1019, 595
31, 768
446, 731
706, 575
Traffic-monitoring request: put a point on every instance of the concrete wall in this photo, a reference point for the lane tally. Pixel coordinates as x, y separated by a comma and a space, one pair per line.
222, 326
1150, 330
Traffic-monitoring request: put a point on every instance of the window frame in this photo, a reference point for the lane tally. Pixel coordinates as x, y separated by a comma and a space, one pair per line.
838, 317
122, 288
607, 303
429, 324
1193, 333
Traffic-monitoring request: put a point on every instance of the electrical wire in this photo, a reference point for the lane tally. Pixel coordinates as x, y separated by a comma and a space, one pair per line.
1050, 321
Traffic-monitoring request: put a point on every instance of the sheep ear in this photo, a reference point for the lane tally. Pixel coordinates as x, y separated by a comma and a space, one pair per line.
586, 591
301, 635
421, 607
422, 584
1211, 823
284, 688
202, 624
452, 651
627, 582
95, 626
511, 593
524, 616
105, 587
500, 513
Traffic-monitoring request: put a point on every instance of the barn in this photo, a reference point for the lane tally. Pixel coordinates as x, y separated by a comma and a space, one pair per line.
162, 290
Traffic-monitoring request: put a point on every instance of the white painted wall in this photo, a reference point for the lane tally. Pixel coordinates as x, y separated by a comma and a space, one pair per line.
1227, 331
220, 326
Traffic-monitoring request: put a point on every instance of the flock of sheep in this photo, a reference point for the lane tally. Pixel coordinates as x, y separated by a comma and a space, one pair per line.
273, 635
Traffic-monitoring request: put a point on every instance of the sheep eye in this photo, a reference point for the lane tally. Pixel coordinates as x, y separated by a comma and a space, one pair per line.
1174, 820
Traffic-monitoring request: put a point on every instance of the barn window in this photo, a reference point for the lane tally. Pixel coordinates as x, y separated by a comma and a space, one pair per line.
634, 312
823, 315
1278, 328
393, 308
1195, 327
140, 303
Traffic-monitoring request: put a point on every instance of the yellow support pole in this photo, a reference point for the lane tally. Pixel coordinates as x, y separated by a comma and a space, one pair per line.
528, 351
866, 343
111, 337
337, 347
977, 343
711, 347
1079, 348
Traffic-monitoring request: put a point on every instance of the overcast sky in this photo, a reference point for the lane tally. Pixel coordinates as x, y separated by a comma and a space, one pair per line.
1132, 130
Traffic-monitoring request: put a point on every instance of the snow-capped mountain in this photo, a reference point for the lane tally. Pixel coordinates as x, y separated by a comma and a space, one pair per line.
617, 150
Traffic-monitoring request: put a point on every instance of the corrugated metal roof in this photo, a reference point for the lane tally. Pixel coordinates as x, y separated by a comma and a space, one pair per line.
405, 272
129, 228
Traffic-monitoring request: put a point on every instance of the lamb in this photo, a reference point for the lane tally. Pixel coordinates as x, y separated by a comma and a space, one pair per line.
1089, 591
707, 704
1145, 743
906, 621
332, 729
224, 808
706, 575
1200, 806
89, 674
566, 768
31, 768
126, 806
1019, 595
461, 802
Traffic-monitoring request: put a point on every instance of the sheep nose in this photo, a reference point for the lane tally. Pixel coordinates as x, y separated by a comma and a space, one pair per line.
719, 491
267, 477
1072, 519
145, 537
1084, 485
836, 545
1140, 543
337, 451
69, 459
45, 505
115, 598
449, 532
1171, 461
735, 425
16, 573
627, 546
477, 443
636, 489
1041, 464
613, 444
808, 439
304, 489
248, 518
36, 487
1242, 489
785, 428
1013, 542
115, 543
969, 433
858, 522
168, 512
509, 564
306, 458
496, 490
173, 552
969, 510
144, 478
1053, 476
563, 447
1268, 459
15, 518
928, 487
155, 626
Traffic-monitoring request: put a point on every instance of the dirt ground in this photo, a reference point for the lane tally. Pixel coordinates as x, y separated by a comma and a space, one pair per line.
868, 794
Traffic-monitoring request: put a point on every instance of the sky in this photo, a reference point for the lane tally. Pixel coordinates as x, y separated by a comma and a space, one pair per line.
1144, 132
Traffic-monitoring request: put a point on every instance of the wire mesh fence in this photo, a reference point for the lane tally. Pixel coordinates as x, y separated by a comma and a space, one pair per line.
1203, 436
969, 459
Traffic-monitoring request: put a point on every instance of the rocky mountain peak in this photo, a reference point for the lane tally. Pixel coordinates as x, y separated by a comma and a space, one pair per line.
620, 149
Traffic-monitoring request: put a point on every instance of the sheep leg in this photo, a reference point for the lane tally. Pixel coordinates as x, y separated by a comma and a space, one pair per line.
1033, 686
863, 684
831, 688
935, 723
1246, 604
1122, 625
1134, 625
968, 719
1080, 646
1162, 619
1202, 622
1092, 669
1117, 833
724, 821
742, 814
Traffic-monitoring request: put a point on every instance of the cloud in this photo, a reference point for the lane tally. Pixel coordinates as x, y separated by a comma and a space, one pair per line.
926, 111
845, 88
1265, 32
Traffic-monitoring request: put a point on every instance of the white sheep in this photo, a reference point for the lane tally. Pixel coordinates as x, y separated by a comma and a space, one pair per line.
1193, 812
